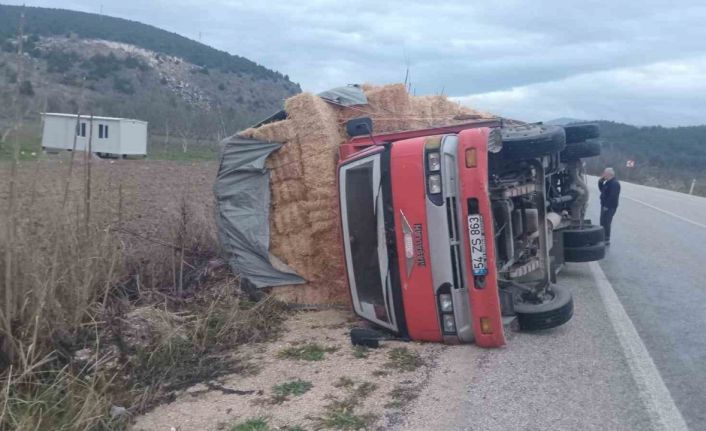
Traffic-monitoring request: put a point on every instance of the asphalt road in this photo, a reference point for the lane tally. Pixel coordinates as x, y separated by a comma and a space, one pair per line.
632, 358
657, 267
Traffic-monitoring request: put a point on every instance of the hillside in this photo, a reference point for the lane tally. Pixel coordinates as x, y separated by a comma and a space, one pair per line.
667, 157
116, 67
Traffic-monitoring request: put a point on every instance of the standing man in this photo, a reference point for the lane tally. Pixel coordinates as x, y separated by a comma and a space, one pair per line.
610, 192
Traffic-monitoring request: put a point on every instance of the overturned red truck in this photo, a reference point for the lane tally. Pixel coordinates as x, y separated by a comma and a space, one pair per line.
451, 233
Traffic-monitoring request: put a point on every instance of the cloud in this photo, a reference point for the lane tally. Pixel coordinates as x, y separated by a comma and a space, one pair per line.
464, 48
666, 93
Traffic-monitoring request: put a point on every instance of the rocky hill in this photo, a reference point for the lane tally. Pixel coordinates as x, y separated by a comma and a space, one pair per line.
109, 66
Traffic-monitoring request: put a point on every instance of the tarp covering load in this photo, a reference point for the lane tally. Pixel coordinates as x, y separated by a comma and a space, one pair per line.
303, 219
243, 204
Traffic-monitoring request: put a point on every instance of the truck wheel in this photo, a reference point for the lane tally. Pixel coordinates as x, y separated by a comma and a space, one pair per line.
587, 253
549, 314
581, 237
531, 140
580, 150
576, 133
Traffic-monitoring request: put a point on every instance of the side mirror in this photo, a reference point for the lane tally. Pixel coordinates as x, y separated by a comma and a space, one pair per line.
359, 126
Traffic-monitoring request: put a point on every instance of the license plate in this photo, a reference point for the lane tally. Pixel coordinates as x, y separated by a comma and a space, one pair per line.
476, 233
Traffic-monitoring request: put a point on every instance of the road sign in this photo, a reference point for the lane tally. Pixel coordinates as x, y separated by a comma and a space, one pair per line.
630, 164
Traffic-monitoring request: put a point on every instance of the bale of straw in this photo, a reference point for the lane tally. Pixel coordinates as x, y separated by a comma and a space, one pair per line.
304, 214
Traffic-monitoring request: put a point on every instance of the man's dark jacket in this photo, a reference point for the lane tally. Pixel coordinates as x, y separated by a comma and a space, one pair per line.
610, 192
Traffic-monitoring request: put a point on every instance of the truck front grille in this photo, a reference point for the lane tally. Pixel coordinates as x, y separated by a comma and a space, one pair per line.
452, 217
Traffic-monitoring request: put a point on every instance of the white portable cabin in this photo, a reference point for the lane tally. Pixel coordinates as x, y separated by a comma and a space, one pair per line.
111, 136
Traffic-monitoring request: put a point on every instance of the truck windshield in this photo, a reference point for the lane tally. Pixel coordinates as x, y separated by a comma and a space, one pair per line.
362, 233
364, 239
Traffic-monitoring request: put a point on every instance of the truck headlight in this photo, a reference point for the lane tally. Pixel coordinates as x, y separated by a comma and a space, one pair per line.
446, 303
434, 183
434, 161
449, 323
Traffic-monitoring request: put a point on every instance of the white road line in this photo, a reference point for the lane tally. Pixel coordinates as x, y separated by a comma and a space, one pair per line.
666, 212
652, 390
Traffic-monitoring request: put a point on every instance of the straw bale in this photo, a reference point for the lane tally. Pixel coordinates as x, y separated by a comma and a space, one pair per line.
289, 218
288, 191
286, 155
279, 131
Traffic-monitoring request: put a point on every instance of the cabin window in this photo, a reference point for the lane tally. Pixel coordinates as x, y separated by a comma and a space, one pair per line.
81, 129
103, 131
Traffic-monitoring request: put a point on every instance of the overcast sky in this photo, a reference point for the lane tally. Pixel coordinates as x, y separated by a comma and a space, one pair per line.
641, 62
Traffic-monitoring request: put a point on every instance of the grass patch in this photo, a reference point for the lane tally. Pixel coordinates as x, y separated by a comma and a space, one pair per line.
195, 354
360, 352
283, 391
260, 424
177, 155
29, 142
401, 396
175, 151
306, 352
341, 416
363, 390
257, 424
344, 382
57, 400
403, 359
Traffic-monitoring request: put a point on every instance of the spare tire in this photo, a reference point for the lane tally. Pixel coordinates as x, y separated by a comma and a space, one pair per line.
587, 253
583, 236
580, 150
576, 133
529, 141
549, 314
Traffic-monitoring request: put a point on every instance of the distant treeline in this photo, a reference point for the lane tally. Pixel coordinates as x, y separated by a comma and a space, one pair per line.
668, 157
59, 22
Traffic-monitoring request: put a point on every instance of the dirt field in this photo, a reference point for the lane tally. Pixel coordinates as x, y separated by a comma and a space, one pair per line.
145, 200
151, 190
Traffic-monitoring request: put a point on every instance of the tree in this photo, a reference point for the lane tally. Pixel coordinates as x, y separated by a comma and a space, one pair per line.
26, 88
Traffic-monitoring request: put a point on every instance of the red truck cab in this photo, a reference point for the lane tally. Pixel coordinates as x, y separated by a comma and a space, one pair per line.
417, 233
449, 232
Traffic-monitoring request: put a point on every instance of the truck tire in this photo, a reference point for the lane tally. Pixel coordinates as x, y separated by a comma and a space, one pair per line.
580, 150
529, 141
549, 314
581, 237
576, 133
587, 253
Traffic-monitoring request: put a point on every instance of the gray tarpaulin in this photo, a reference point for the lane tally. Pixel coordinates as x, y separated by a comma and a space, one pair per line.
242, 192
347, 96
243, 200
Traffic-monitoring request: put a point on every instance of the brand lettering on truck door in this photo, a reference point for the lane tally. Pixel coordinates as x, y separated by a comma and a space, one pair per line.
419, 245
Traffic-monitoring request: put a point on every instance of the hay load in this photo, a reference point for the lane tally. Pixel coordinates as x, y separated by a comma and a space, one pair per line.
303, 212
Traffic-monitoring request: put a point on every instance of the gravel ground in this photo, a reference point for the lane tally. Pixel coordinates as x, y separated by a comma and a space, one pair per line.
199, 408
